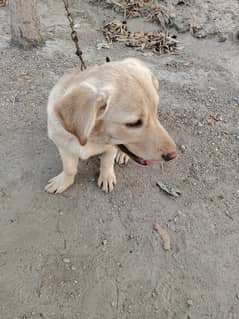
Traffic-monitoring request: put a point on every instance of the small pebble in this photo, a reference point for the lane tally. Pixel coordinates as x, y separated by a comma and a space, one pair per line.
237, 35
104, 242
148, 54
189, 302
182, 148
66, 260
236, 98
222, 38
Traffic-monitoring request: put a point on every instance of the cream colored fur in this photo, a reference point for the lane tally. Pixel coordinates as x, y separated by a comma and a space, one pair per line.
89, 112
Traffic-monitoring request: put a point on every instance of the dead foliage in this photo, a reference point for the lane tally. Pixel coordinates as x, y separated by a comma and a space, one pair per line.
135, 8
157, 42
138, 8
3, 3
150, 9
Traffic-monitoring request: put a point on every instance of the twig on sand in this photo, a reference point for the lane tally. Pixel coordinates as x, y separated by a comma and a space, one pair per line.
168, 189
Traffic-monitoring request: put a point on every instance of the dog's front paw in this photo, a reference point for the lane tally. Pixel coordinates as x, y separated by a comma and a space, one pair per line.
121, 158
59, 183
107, 181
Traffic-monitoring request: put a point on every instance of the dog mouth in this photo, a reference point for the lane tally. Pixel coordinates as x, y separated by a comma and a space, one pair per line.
134, 157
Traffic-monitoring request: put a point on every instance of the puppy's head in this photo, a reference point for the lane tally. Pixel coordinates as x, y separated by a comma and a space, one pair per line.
131, 121
121, 111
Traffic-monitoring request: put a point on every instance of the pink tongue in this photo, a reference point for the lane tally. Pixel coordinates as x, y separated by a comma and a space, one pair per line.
149, 162
145, 162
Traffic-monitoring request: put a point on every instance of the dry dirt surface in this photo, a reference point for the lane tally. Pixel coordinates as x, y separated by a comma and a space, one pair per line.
87, 255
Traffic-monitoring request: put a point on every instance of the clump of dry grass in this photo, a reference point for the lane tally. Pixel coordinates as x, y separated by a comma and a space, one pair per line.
158, 42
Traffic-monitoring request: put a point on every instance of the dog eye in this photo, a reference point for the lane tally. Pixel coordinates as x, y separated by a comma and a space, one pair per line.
136, 124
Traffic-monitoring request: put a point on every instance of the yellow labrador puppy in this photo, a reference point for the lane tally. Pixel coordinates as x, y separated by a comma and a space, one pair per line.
108, 110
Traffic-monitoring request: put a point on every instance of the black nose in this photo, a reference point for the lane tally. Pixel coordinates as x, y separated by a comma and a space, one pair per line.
169, 156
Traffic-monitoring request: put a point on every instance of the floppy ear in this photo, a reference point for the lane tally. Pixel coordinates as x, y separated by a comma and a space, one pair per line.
79, 110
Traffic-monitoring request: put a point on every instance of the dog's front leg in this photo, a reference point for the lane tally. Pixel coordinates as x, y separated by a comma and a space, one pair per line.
107, 179
66, 178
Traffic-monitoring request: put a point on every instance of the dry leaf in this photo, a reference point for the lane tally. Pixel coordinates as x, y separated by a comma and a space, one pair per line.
164, 235
169, 190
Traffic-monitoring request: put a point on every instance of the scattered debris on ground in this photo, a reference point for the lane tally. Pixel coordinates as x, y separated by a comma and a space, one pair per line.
3, 3
201, 19
136, 8
157, 42
198, 31
164, 236
169, 190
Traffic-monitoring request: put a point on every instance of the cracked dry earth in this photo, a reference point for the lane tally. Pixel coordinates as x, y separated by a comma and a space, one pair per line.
88, 255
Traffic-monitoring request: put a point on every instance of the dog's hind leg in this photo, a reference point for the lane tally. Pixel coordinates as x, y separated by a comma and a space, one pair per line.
66, 178
107, 179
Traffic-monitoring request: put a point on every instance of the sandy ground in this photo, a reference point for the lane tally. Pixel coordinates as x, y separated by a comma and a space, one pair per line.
87, 255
